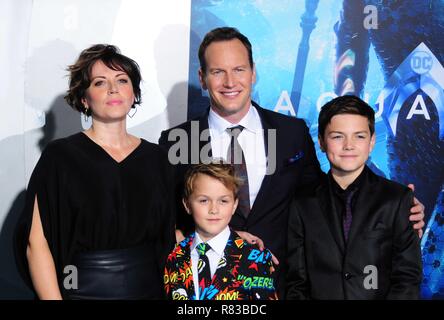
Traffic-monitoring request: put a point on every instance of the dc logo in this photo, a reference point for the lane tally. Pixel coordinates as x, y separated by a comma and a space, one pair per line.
421, 62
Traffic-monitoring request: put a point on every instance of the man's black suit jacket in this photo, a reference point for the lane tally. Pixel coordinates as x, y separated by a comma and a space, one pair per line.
322, 266
296, 167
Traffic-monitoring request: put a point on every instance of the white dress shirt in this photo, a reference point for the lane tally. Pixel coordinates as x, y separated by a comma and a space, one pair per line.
251, 139
214, 255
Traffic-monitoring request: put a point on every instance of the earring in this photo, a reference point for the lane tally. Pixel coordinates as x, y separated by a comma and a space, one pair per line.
85, 115
132, 112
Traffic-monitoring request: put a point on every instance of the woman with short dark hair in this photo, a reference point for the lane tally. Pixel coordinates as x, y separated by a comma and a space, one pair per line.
97, 222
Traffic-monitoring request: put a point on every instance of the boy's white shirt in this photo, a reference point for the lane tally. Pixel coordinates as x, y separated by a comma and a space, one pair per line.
214, 255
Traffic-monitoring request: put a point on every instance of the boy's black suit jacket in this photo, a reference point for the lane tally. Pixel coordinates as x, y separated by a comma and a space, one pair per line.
323, 266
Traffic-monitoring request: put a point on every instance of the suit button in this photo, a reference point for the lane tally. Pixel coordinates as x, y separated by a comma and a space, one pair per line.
347, 276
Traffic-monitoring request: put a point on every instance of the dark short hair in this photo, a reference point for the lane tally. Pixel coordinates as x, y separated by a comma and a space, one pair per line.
223, 34
80, 73
345, 105
217, 169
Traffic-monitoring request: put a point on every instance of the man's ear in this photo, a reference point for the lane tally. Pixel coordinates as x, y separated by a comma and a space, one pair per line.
254, 74
202, 79
321, 143
185, 204
372, 142
236, 202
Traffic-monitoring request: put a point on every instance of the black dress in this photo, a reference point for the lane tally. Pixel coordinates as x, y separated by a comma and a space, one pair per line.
90, 202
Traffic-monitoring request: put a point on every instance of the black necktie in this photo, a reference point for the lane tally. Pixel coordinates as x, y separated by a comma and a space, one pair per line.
236, 157
347, 218
203, 266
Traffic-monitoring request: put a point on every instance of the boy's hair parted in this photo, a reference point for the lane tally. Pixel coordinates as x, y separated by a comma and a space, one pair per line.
217, 169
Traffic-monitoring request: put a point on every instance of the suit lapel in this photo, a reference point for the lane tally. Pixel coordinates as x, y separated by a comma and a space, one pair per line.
199, 140
256, 211
325, 199
201, 134
232, 253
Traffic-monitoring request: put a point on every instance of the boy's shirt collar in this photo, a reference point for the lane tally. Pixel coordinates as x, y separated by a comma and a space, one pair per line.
355, 185
218, 243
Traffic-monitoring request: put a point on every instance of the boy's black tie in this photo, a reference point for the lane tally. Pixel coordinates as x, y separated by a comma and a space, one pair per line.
348, 216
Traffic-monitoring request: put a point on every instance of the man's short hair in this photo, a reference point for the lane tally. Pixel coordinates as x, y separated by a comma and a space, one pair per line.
223, 34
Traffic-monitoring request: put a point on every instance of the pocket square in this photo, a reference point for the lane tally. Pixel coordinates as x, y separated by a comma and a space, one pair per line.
295, 158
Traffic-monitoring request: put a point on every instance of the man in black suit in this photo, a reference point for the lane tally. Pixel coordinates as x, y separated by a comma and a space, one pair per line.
277, 150
350, 238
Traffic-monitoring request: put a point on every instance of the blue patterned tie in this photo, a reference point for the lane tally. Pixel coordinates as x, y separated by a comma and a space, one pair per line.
203, 265
236, 157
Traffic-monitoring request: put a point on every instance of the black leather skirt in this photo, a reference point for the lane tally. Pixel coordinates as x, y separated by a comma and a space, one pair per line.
117, 274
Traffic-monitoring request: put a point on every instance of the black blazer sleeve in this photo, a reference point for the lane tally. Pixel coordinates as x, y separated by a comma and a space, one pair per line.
297, 282
44, 187
183, 221
406, 272
311, 172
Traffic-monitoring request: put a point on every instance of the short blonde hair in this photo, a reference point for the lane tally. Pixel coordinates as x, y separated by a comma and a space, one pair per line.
217, 169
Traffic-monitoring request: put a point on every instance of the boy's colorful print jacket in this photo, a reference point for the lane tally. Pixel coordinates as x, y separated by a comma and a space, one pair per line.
244, 273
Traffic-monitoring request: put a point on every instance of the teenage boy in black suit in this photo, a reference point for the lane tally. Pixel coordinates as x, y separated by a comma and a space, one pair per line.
350, 238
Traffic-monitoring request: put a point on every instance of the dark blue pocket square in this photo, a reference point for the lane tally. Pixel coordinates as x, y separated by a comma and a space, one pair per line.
295, 158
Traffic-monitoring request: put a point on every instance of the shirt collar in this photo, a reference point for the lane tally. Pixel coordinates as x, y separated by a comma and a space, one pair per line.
218, 243
251, 121
355, 185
